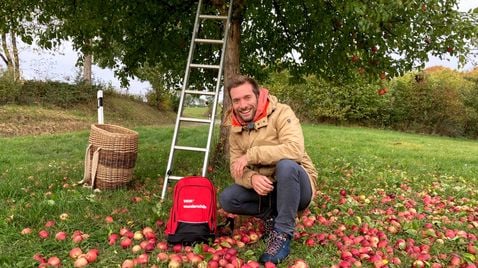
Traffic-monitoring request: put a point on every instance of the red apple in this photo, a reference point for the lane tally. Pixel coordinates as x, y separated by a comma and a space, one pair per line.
163, 245
150, 245
126, 242
418, 264
112, 241
231, 251
26, 231
245, 239
147, 230
174, 264
162, 257
92, 255
223, 262
210, 169
113, 236
77, 238
129, 234
75, 252
253, 264
212, 264
43, 234
49, 223
123, 231
39, 258
80, 262
136, 249
240, 244
455, 260
54, 261
60, 236
471, 249
308, 222
310, 242
300, 264
195, 259
396, 261
127, 264
142, 258
253, 237
343, 192
109, 219
150, 235
177, 248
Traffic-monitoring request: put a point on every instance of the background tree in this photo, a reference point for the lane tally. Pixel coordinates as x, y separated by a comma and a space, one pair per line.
333, 40
14, 21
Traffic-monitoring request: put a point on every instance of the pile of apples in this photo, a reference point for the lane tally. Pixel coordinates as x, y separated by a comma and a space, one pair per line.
80, 258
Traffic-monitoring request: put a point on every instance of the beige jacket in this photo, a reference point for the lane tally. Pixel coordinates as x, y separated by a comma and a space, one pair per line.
274, 137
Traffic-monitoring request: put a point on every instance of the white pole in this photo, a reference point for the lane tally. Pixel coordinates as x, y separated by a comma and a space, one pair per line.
100, 107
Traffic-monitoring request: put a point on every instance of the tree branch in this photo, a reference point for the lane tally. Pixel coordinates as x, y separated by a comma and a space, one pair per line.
4, 59
8, 59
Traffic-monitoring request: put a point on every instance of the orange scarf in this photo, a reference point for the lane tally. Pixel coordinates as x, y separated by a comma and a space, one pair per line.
261, 112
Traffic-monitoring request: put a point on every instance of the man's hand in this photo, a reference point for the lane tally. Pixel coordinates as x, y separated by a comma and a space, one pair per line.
261, 184
237, 167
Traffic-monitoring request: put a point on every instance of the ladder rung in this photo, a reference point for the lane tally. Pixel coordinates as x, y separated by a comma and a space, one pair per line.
188, 148
197, 120
175, 177
198, 92
206, 66
209, 41
214, 17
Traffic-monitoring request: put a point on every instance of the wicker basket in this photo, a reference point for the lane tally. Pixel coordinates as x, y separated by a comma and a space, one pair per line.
110, 156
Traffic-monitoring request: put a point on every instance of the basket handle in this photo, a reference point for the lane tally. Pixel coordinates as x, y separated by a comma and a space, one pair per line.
94, 167
87, 165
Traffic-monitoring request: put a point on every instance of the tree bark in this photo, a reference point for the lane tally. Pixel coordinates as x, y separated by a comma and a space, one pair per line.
87, 63
16, 59
231, 68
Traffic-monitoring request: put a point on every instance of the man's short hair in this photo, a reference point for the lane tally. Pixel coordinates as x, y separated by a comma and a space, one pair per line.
239, 80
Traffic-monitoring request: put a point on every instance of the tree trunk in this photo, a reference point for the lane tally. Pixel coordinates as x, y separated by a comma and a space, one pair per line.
87, 63
231, 68
16, 59
7, 57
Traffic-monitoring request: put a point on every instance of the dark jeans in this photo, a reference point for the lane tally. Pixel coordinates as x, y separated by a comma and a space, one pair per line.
292, 192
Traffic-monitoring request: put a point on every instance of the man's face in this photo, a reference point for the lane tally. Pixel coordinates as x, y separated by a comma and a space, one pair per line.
244, 102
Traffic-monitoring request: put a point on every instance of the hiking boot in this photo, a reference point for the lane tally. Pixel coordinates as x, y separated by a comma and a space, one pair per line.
268, 227
278, 247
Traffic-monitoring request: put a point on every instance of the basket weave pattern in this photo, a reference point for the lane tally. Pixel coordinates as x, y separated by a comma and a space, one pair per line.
116, 148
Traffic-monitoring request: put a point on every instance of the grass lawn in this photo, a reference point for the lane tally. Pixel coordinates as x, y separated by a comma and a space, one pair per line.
384, 199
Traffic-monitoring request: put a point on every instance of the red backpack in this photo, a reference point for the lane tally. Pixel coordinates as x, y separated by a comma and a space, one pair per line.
193, 214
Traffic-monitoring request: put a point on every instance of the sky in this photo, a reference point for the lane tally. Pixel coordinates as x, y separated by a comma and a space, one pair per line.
59, 65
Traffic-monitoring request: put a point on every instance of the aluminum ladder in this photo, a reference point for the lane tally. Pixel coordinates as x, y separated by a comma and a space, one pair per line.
185, 91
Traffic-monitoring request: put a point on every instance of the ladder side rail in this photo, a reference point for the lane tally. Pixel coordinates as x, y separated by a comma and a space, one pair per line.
181, 101
217, 89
